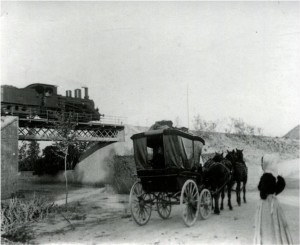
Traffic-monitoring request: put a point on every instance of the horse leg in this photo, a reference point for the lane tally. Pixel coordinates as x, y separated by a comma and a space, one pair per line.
212, 202
229, 186
244, 191
238, 192
217, 210
222, 195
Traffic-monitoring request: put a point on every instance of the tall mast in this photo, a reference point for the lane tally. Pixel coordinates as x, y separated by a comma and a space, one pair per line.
187, 104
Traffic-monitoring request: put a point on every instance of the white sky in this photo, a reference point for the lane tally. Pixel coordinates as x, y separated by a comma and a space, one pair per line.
239, 59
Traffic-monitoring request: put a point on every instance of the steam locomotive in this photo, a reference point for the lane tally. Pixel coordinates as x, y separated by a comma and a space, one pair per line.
42, 101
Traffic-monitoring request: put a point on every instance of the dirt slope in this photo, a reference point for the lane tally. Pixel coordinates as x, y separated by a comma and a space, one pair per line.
294, 133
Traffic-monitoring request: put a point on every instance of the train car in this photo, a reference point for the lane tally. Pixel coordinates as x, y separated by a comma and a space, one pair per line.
42, 101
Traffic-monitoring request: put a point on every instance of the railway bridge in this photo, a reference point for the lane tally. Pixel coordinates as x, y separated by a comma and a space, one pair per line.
106, 130
101, 133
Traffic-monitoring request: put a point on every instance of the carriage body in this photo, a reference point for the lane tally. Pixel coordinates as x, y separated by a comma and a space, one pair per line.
179, 159
168, 166
166, 180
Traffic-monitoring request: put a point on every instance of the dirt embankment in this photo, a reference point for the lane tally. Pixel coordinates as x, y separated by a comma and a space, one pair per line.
294, 133
254, 148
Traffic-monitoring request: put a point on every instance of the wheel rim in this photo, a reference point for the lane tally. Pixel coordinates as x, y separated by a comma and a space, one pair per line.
140, 204
189, 202
163, 205
205, 204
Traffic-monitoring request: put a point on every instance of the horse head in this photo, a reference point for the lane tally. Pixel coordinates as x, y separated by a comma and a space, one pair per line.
218, 157
230, 155
239, 155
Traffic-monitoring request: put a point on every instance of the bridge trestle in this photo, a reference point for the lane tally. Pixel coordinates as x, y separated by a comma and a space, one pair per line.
96, 132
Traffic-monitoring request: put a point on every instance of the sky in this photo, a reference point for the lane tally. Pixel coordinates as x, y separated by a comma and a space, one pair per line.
150, 61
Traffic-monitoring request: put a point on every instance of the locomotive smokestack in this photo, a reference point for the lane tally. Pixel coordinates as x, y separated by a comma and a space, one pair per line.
78, 93
68, 93
86, 92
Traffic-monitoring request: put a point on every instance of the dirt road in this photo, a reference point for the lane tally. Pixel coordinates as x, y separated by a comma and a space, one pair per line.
105, 219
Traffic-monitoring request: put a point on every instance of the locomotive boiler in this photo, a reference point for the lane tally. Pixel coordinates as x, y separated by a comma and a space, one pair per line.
42, 101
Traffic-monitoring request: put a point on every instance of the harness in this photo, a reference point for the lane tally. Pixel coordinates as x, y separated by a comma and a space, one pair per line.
226, 182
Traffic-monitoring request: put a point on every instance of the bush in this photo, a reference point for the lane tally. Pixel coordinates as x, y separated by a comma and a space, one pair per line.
124, 173
16, 214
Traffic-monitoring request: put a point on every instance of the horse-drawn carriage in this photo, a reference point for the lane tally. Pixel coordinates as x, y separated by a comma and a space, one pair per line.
169, 173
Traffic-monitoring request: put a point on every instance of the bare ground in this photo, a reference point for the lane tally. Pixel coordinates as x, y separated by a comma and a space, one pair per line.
103, 218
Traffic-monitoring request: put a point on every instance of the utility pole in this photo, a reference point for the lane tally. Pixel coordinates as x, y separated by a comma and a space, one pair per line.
188, 107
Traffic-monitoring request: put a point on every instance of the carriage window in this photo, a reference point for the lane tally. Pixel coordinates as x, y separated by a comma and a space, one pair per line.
189, 151
188, 146
155, 152
16, 108
197, 152
158, 160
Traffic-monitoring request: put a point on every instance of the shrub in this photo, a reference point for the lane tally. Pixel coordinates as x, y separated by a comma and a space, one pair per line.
16, 214
124, 173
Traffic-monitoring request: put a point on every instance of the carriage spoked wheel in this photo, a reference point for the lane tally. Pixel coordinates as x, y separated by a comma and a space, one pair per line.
140, 204
189, 202
205, 208
163, 205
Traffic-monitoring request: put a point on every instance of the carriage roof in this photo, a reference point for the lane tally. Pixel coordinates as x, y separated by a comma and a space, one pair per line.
167, 131
181, 149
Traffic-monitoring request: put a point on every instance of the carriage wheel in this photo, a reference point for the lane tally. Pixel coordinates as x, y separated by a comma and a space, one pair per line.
140, 204
163, 205
189, 202
205, 204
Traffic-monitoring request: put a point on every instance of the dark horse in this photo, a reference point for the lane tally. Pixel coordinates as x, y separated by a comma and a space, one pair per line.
240, 172
229, 185
216, 176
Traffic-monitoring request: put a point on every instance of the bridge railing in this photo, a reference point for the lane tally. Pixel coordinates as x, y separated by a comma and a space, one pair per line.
76, 117
108, 119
